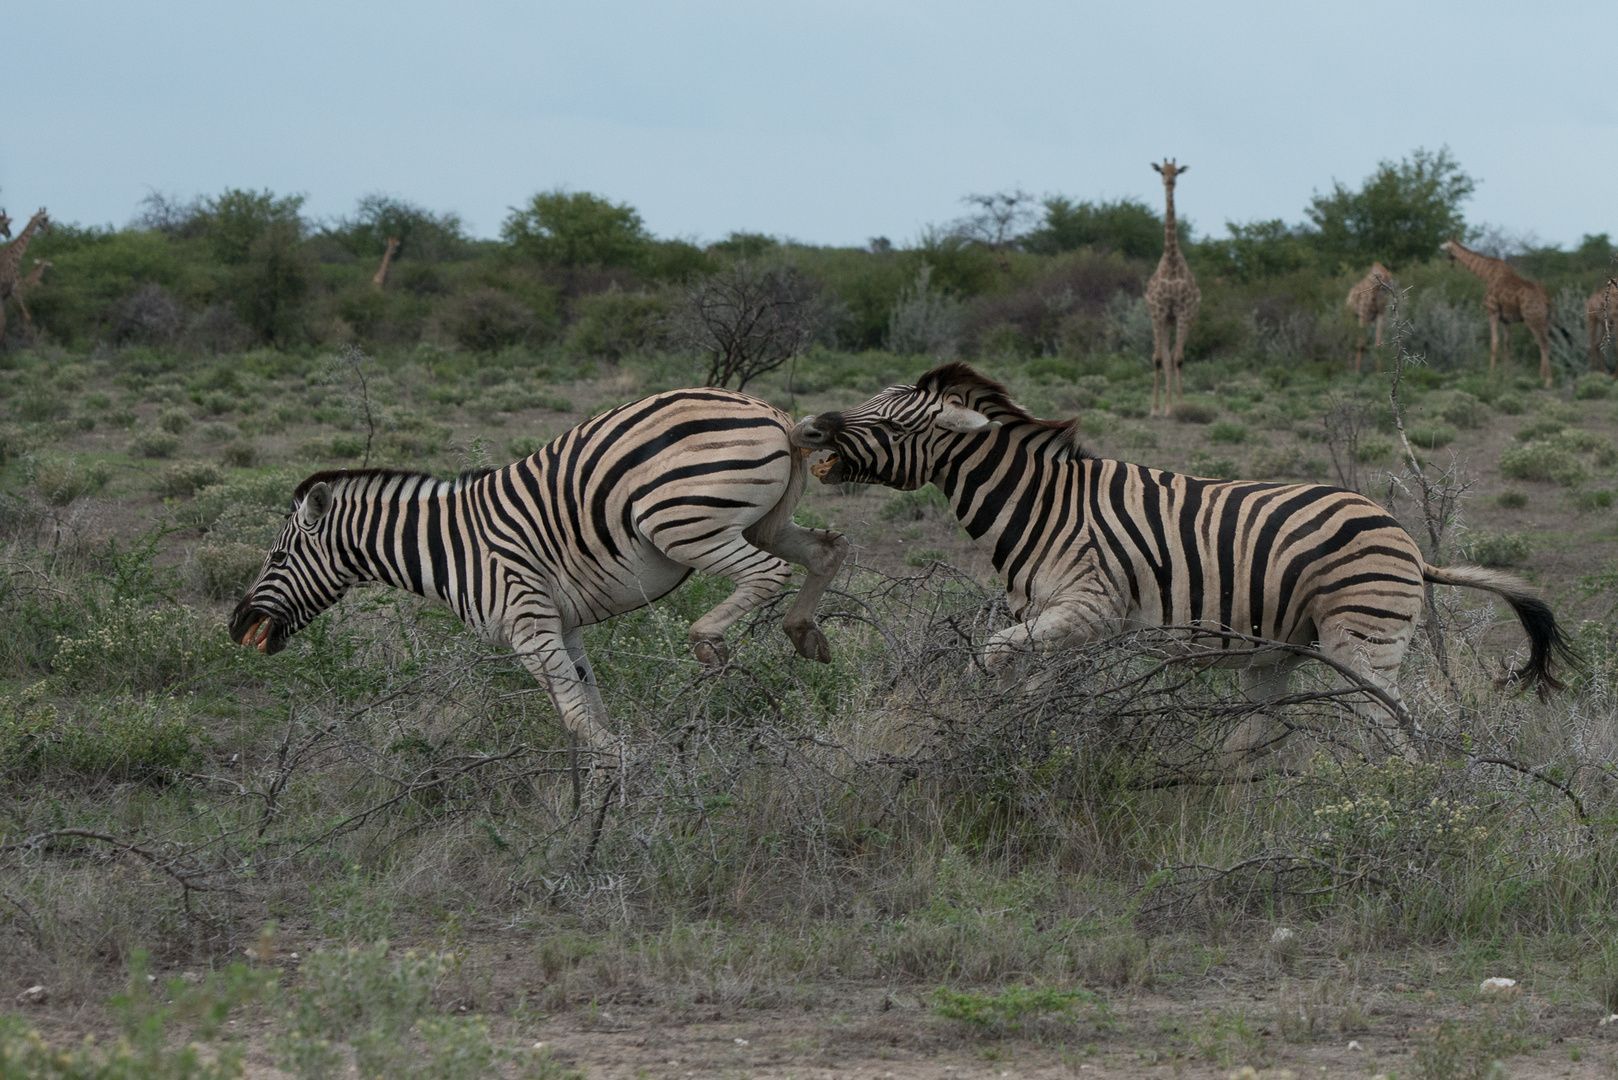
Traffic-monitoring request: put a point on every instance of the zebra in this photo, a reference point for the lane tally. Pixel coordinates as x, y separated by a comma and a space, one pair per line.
1090, 546
604, 519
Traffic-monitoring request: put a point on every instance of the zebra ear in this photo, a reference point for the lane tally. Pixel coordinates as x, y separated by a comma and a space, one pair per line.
960, 419
315, 504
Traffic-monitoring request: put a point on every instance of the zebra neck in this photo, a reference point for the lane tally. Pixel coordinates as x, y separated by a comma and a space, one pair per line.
412, 534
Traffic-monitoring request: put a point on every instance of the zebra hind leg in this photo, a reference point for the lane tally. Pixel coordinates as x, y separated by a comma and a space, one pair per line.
1375, 658
758, 576
821, 553
1256, 735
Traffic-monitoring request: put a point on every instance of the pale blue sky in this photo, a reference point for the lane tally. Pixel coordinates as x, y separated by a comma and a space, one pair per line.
828, 122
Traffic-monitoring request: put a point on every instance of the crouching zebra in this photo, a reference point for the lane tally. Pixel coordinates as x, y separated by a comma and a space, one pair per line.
604, 519
1089, 547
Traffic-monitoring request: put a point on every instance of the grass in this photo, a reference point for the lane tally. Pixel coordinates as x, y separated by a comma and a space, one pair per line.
891, 819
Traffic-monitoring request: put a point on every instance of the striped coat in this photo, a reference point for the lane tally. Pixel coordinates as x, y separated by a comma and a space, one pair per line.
1089, 546
604, 519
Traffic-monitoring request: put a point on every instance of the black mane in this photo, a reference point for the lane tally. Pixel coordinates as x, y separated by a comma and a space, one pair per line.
960, 376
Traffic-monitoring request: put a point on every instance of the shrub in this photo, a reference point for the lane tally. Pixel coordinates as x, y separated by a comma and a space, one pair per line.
485, 319
1431, 436
1371, 451
119, 740
615, 324
185, 480
1005, 1010
1511, 499
239, 455
1194, 412
525, 446
1226, 431
125, 646
347, 446
1206, 465
222, 571
1593, 387
61, 480
1591, 500
924, 557
154, 444
1496, 549
1545, 463
1538, 429
175, 421
1509, 405
914, 505
1465, 411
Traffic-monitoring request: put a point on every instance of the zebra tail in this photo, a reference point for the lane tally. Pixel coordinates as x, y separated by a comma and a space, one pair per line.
1546, 645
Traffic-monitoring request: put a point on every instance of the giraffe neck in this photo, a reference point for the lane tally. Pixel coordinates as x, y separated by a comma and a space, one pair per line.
11, 254
1481, 265
1171, 233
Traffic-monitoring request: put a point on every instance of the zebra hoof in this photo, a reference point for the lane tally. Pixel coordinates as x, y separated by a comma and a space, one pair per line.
711, 654
810, 642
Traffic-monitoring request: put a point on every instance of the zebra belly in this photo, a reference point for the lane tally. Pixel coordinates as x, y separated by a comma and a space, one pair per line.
643, 576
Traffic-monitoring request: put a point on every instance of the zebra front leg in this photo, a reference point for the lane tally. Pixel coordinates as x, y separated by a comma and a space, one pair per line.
573, 640
1059, 626
821, 553
541, 643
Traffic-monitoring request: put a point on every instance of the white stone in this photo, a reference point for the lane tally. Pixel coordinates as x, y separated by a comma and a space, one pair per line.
1282, 935
1354, 1044
1498, 986
34, 995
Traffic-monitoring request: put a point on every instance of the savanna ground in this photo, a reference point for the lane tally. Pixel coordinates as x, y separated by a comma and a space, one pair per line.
376, 850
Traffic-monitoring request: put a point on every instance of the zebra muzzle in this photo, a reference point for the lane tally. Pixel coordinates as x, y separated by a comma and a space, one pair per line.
258, 634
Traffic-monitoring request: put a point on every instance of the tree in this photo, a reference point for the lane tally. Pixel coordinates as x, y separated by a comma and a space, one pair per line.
234, 220
1400, 214
1260, 249
749, 319
422, 234
999, 220
577, 229
271, 282
1127, 226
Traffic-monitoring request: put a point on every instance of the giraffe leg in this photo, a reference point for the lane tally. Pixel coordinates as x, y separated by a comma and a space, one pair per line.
1494, 340
1359, 353
1160, 349
1542, 337
1378, 343
1182, 330
1592, 331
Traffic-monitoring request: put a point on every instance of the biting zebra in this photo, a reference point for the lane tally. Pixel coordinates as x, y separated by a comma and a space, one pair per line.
1089, 547
604, 519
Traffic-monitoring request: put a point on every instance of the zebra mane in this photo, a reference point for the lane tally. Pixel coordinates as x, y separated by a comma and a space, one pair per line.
992, 399
346, 476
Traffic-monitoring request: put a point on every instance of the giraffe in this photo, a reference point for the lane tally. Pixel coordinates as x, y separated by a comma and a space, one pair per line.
11, 263
5, 223
1172, 297
29, 282
1600, 313
1368, 300
381, 278
1508, 297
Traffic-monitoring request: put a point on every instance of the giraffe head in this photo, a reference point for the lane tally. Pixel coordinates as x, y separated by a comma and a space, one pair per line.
1448, 248
40, 220
5, 224
1169, 170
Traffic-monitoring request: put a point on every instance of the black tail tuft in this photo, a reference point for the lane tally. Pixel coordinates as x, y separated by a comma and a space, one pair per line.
1546, 646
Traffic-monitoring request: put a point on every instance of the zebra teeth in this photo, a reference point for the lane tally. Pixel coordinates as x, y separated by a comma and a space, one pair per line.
823, 468
258, 634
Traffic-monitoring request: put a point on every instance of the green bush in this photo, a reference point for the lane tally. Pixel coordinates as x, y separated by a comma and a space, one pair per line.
239, 455
1204, 464
1592, 500
525, 446
154, 444
914, 505
1496, 549
1465, 411
184, 480
1371, 451
1511, 500
175, 421
1007, 1010
615, 324
60, 480
1194, 412
119, 739
222, 571
1430, 436
127, 646
1593, 387
1539, 429
1509, 405
1227, 432
1545, 463
1287, 461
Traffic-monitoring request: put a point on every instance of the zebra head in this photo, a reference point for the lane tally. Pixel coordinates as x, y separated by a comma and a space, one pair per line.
300, 579
897, 438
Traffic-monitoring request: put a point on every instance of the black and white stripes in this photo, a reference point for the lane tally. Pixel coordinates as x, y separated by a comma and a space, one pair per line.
1090, 546
604, 519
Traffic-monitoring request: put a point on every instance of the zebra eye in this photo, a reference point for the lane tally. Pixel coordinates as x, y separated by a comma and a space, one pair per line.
278, 558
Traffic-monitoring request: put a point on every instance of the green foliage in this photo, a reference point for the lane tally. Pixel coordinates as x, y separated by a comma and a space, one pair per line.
485, 319
1008, 1009
914, 505
1227, 432
1511, 499
1465, 411
1545, 463
1593, 388
1259, 250
615, 324
1459, 1051
1214, 468
1194, 412
1496, 549
154, 444
270, 283
421, 233
59, 480
925, 557
119, 739
1400, 214
186, 479
1430, 436
236, 220
577, 229
1127, 226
